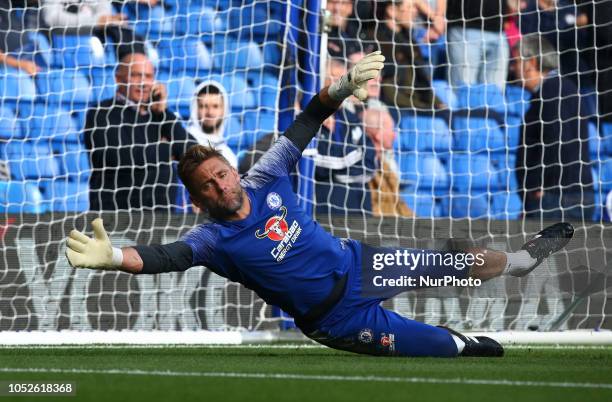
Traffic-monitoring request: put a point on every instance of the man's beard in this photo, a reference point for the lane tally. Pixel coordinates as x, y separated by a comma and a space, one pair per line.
221, 210
211, 129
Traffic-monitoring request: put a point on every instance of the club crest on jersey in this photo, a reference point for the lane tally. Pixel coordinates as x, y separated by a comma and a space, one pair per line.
365, 335
274, 200
276, 227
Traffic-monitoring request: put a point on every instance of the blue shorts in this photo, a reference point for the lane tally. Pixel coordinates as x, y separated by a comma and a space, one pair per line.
360, 324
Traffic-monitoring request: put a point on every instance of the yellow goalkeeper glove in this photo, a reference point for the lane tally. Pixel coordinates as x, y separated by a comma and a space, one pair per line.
96, 252
355, 81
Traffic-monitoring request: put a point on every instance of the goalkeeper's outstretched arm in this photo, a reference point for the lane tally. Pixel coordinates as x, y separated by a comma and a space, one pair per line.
98, 253
330, 98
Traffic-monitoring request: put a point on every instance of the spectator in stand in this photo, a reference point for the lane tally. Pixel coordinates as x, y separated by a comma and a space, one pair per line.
347, 35
477, 48
384, 186
555, 20
511, 23
406, 82
96, 18
594, 24
16, 46
431, 13
345, 161
209, 114
133, 140
553, 165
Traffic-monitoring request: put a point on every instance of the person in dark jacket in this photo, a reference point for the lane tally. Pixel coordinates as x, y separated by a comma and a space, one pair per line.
406, 82
346, 35
593, 19
17, 49
556, 20
133, 140
553, 165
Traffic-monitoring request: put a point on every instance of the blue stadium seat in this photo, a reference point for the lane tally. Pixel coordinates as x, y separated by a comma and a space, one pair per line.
51, 122
72, 51
221, 4
43, 54
197, 20
255, 125
267, 89
65, 196
257, 20
9, 125
148, 22
20, 197
504, 167
595, 142
73, 161
241, 96
230, 54
212, 4
599, 207
103, 85
445, 93
181, 91
481, 96
477, 134
182, 55
272, 55
517, 100
606, 138
473, 172
505, 205
605, 174
258, 120
67, 87
423, 204
514, 126
432, 51
30, 161
424, 134
474, 205
267, 122
423, 171
16, 85
599, 203
235, 135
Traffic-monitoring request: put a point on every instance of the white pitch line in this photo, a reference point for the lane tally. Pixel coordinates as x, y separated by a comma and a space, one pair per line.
578, 347
167, 346
307, 377
263, 346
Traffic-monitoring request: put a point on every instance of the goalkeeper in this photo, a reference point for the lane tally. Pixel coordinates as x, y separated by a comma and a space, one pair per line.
261, 237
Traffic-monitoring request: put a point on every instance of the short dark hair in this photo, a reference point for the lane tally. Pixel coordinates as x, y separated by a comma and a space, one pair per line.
209, 89
381, 8
194, 157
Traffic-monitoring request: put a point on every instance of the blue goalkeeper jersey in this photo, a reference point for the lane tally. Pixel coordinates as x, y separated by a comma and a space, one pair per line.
278, 251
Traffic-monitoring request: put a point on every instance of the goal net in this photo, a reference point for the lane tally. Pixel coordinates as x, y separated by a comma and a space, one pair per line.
432, 155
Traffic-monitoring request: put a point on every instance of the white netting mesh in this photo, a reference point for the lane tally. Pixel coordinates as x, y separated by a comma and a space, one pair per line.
451, 92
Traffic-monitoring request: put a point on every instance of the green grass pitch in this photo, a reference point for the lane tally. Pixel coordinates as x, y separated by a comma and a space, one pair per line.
298, 373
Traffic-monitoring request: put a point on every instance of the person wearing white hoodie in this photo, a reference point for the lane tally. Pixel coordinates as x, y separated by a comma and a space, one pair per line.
209, 112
